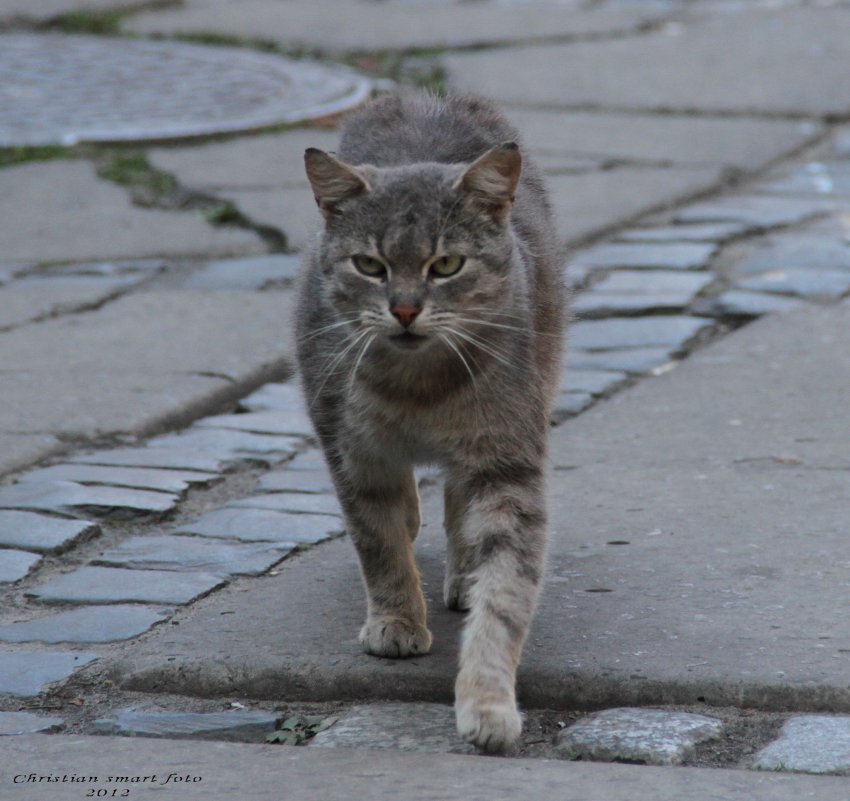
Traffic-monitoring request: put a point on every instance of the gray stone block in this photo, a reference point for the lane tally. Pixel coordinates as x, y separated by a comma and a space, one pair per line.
275, 397
172, 552
737, 303
759, 211
813, 178
312, 481
311, 459
19, 451
66, 497
89, 624
263, 525
42, 534
631, 360
110, 585
302, 503
235, 726
172, 458
428, 728
648, 255
253, 273
36, 224
174, 481
820, 247
650, 736
26, 674
230, 445
697, 232
809, 743
683, 286
268, 422
593, 305
13, 723
568, 404
14, 565
595, 382
671, 332
831, 284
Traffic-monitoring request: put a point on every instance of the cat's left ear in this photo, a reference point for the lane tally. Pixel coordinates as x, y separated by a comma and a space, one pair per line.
491, 179
332, 180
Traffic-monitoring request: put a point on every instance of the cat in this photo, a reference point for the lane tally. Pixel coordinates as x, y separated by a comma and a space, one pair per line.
429, 328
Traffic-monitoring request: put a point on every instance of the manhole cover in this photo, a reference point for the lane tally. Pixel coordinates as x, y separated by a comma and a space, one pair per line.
57, 89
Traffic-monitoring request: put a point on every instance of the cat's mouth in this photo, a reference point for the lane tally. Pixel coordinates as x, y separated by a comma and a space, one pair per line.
407, 340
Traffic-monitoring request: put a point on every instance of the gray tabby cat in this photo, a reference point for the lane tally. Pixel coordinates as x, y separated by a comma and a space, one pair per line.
429, 330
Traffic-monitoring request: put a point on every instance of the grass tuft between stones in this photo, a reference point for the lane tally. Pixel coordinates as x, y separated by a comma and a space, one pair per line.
298, 729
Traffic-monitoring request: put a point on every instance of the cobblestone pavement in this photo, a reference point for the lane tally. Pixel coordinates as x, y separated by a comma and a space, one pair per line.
112, 524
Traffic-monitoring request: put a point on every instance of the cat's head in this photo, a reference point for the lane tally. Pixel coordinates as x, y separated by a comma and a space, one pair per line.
419, 254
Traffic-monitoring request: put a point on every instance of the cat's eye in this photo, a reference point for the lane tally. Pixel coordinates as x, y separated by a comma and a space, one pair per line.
446, 266
369, 266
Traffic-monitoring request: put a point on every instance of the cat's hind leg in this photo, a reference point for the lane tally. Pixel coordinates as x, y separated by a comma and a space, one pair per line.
505, 527
381, 507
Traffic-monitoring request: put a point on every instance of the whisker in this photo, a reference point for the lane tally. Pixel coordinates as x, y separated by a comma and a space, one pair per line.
336, 359
326, 328
359, 359
485, 346
452, 345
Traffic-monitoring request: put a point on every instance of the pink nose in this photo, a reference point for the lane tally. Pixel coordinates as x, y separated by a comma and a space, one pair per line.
405, 314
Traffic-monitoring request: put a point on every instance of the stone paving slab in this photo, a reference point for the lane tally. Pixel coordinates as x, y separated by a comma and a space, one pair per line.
67, 497
13, 723
171, 552
738, 303
302, 503
295, 481
253, 273
275, 397
28, 299
41, 533
230, 445
88, 624
174, 481
697, 232
291, 211
701, 604
631, 360
15, 565
756, 211
18, 451
27, 673
831, 284
275, 773
648, 736
234, 726
331, 26
813, 178
162, 458
594, 202
38, 225
171, 357
428, 728
811, 744
648, 255
270, 422
652, 139
594, 382
669, 331
761, 61
263, 525
49, 9
106, 585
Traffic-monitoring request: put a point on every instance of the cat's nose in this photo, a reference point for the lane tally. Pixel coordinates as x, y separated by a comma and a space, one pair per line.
405, 314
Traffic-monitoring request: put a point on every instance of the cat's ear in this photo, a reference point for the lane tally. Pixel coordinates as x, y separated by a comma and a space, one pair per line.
332, 180
492, 178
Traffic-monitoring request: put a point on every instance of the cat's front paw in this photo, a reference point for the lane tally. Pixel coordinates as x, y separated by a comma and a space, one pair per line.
493, 726
394, 637
456, 592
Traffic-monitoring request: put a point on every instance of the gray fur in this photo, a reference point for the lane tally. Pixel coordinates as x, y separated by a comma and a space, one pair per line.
469, 386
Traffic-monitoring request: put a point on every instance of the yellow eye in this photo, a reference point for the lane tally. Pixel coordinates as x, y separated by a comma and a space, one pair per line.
447, 265
369, 266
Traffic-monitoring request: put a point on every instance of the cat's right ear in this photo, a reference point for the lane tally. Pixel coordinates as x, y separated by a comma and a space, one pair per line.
332, 180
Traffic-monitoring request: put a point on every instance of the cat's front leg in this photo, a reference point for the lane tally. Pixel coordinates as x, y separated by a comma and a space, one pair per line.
381, 506
504, 526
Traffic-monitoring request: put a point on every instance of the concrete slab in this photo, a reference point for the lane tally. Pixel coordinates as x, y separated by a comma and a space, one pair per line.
760, 61
61, 211
593, 202
289, 210
18, 451
276, 773
331, 26
254, 273
41, 533
143, 362
12, 723
738, 143
733, 504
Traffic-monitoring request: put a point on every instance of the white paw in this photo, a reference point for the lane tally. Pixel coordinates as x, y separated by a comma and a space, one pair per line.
394, 638
456, 593
492, 727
